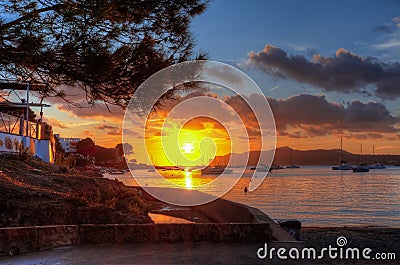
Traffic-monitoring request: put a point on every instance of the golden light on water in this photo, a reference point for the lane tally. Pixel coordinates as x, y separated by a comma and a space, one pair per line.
189, 146
188, 180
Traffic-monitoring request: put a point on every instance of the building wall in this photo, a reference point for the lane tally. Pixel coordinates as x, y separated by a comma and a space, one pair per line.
10, 143
68, 144
43, 150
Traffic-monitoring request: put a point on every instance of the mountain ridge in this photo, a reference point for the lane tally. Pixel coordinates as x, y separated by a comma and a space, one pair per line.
286, 155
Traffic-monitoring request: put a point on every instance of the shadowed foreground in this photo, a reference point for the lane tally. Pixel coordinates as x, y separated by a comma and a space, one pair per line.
378, 239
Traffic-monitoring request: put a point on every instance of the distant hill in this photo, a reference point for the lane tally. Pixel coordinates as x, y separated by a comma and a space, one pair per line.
310, 157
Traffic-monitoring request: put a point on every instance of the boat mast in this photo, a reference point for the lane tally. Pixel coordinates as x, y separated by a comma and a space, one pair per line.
341, 147
359, 157
373, 154
291, 156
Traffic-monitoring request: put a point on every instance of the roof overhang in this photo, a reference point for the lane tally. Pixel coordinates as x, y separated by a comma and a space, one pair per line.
22, 105
9, 85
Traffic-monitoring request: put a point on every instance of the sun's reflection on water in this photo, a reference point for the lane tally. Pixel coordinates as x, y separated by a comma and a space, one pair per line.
188, 180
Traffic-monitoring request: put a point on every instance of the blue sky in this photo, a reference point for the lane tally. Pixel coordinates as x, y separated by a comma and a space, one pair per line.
228, 30
364, 34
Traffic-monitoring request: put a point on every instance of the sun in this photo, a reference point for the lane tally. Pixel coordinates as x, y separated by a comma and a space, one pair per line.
187, 148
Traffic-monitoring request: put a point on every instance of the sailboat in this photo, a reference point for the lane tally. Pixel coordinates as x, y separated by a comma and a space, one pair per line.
360, 167
261, 168
375, 165
343, 165
216, 170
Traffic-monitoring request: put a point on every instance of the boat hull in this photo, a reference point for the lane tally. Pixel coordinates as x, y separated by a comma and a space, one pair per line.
377, 166
342, 167
360, 169
215, 171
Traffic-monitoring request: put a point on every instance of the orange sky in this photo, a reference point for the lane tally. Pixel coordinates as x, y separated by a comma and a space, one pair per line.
105, 128
303, 122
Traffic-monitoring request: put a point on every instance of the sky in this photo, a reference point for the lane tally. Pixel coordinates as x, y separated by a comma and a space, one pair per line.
327, 68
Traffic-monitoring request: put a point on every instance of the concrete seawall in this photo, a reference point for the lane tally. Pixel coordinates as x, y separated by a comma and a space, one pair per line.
26, 239
230, 222
225, 211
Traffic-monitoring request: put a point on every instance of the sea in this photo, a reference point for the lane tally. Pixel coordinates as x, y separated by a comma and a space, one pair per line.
315, 195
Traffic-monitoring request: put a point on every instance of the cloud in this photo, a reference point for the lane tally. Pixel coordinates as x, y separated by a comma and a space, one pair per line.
313, 116
345, 72
130, 133
110, 130
87, 133
116, 133
106, 127
82, 109
55, 123
203, 123
223, 72
390, 43
384, 29
100, 111
71, 93
396, 21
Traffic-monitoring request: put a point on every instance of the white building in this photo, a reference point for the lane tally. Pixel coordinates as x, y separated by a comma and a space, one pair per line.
38, 139
19, 134
68, 144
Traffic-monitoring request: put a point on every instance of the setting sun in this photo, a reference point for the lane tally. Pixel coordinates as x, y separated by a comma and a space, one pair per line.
187, 148
195, 143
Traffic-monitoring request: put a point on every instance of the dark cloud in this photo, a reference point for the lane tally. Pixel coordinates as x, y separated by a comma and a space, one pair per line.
304, 116
130, 132
116, 133
107, 127
111, 130
100, 111
315, 116
87, 133
384, 29
371, 136
203, 123
345, 72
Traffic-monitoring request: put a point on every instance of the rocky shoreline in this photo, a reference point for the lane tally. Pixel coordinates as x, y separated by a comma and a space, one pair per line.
33, 193
36, 193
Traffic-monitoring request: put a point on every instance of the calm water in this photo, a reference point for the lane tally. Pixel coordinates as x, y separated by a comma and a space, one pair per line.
317, 196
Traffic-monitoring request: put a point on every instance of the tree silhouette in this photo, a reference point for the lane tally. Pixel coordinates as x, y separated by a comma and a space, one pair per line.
86, 147
107, 48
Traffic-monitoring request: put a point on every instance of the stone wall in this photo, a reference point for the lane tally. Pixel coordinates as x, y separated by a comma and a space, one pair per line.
25, 239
